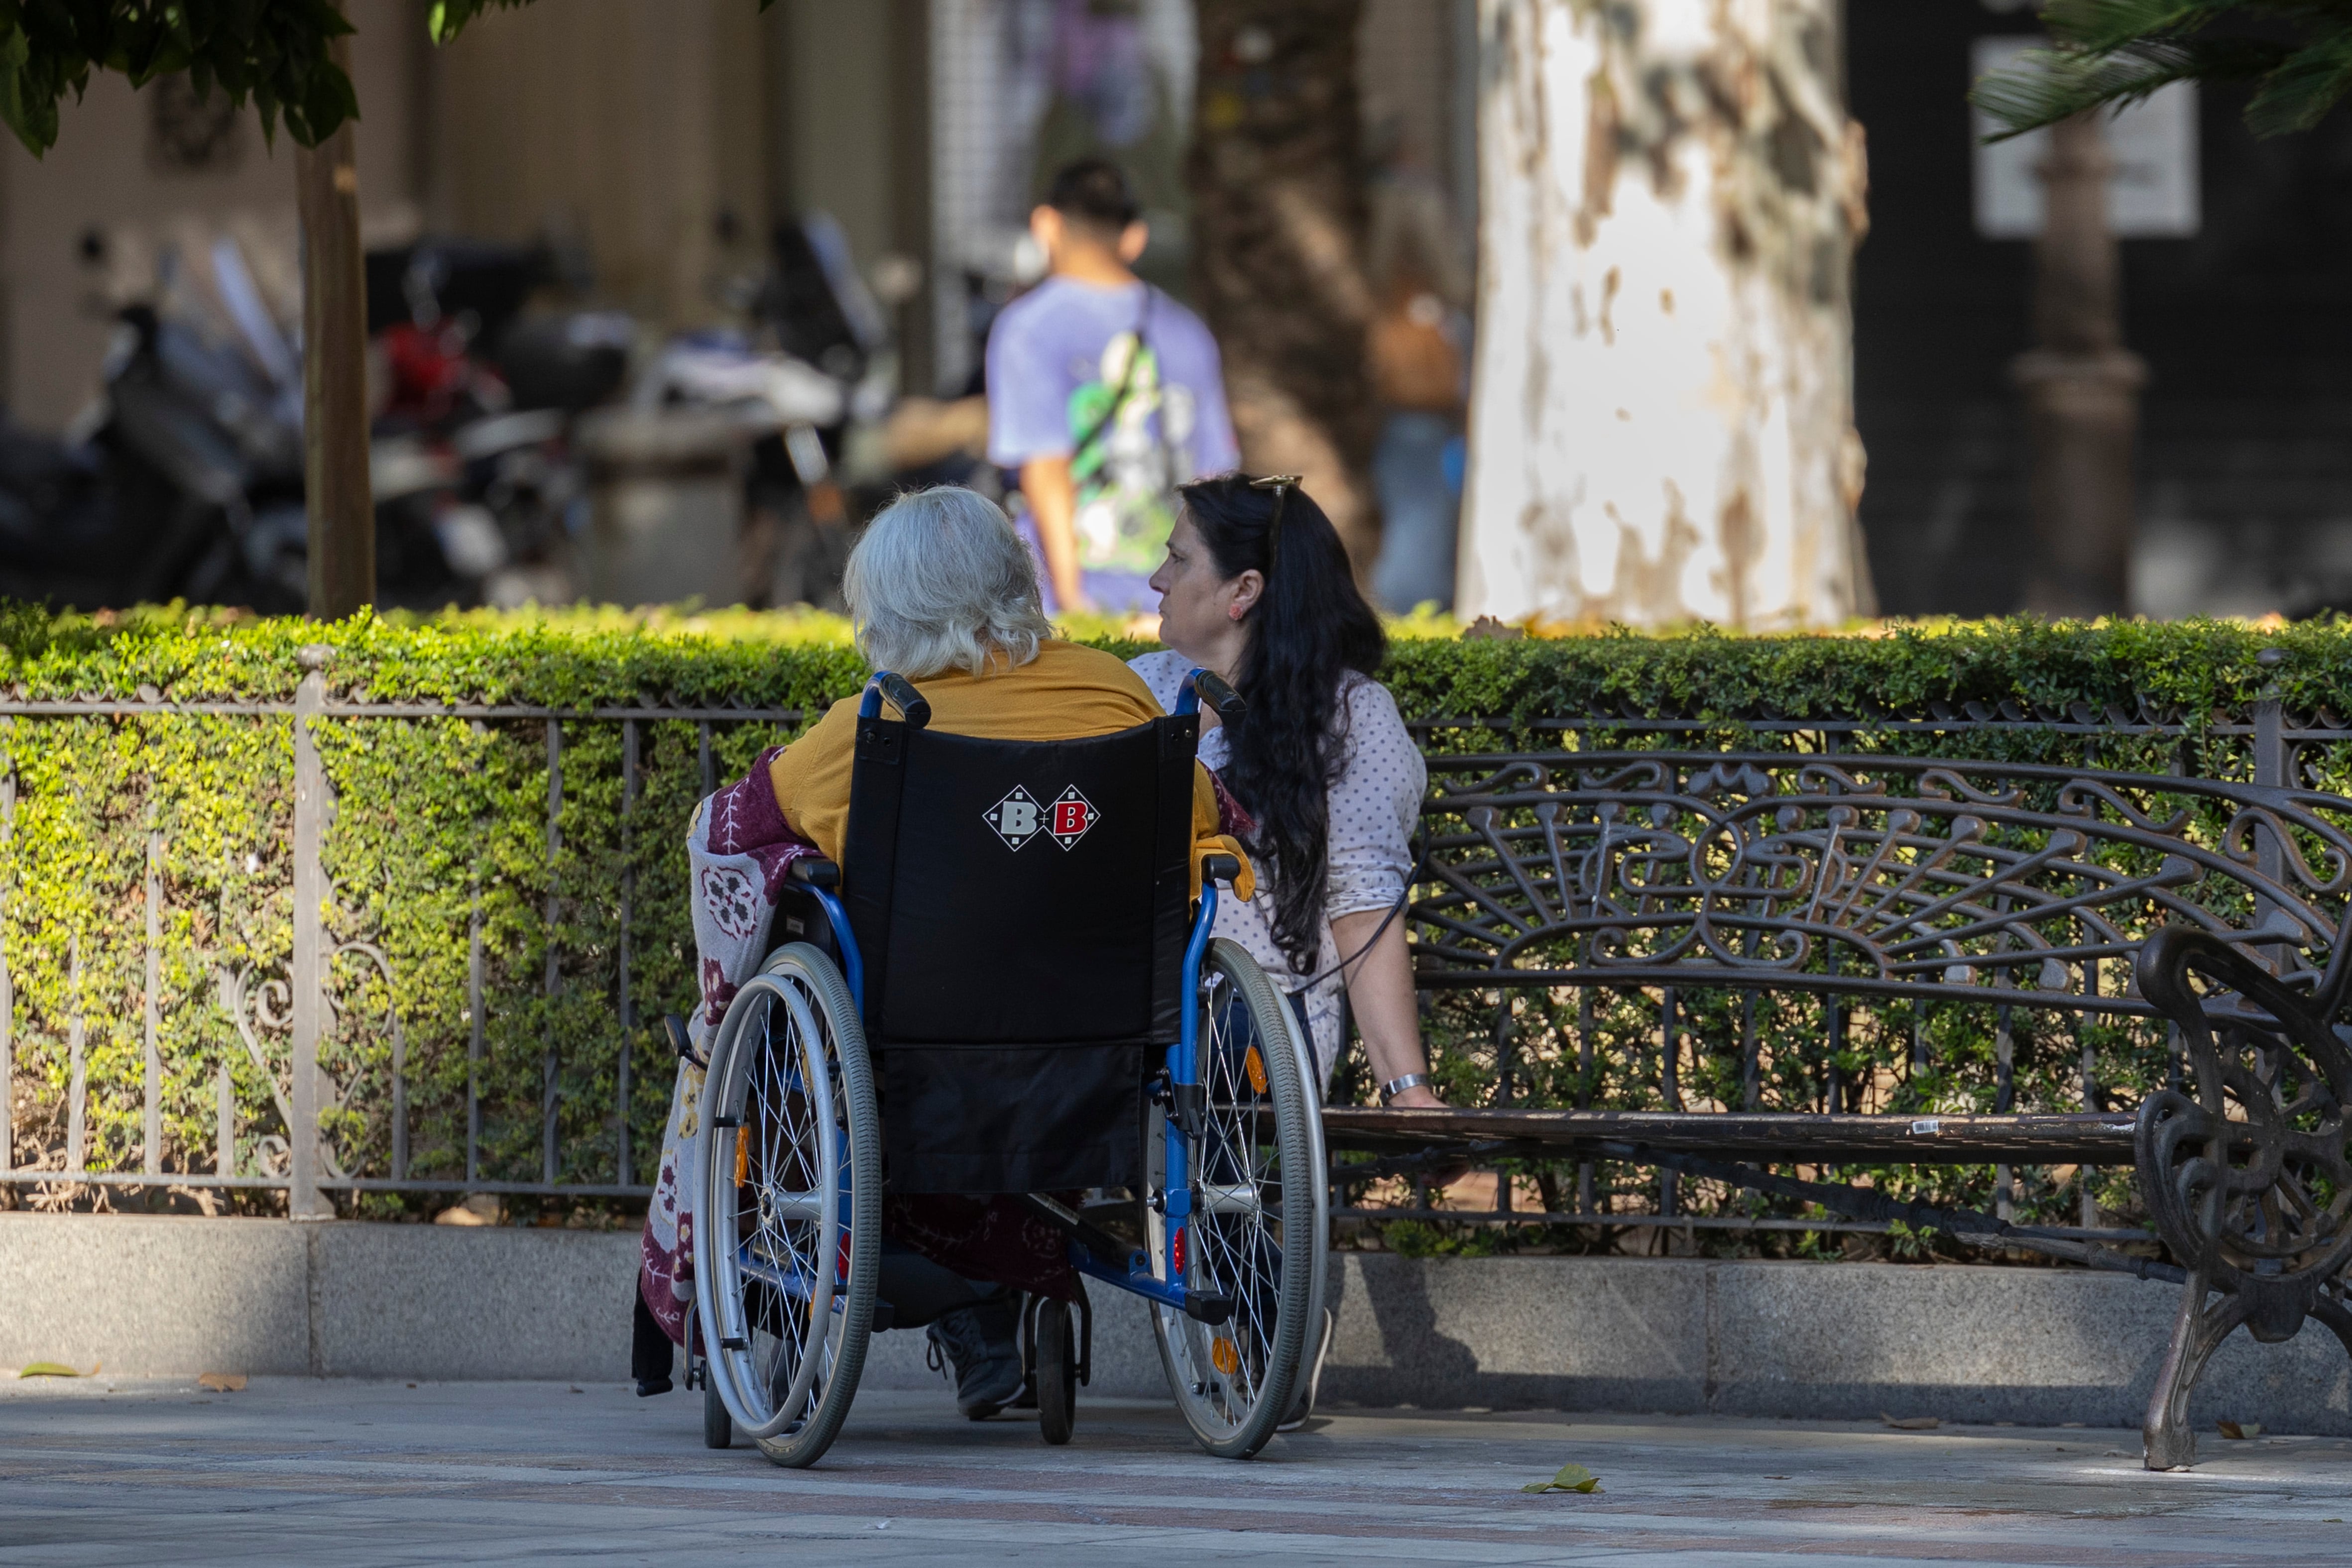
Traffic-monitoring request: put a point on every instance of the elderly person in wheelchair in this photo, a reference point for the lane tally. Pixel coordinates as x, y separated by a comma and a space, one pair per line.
965, 1039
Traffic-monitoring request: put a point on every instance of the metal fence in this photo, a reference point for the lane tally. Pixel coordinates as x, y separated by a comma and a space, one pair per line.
338, 982
322, 1073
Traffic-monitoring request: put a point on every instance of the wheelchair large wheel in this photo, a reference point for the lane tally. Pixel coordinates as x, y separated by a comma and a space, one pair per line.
787, 1236
1259, 1236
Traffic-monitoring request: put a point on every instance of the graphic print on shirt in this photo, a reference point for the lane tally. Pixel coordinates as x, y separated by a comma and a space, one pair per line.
1072, 815
1017, 817
1130, 432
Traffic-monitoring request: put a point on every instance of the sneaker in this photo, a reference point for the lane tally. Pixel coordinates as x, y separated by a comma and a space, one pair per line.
982, 1343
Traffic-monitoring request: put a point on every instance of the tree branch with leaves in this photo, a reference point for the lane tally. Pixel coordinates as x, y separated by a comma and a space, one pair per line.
274, 54
2297, 53
277, 55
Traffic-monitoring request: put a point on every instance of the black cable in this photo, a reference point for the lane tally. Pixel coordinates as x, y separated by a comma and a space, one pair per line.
1402, 900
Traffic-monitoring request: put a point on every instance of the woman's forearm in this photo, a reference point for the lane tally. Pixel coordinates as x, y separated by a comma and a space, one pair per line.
1379, 992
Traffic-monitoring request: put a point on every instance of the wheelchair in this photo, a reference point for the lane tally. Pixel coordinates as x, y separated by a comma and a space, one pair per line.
1001, 990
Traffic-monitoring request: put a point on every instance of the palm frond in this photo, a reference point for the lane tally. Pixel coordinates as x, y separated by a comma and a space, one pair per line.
2050, 85
2110, 54
2098, 26
2298, 93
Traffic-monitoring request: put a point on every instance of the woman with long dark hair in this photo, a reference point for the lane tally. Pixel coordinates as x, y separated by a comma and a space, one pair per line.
1257, 587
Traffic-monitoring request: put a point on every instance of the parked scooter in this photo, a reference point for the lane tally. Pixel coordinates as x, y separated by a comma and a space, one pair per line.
473, 447
184, 478
184, 481
828, 462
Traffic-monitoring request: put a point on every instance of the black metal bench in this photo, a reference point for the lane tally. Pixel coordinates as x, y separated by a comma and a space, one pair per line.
2204, 918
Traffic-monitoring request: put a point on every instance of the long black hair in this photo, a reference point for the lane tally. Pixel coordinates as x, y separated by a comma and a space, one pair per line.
1308, 628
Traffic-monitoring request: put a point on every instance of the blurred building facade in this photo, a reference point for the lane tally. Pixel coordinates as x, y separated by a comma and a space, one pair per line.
2234, 257
661, 142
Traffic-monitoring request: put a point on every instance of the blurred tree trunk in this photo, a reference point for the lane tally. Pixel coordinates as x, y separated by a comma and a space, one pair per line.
1662, 414
2081, 387
334, 372
1278, 218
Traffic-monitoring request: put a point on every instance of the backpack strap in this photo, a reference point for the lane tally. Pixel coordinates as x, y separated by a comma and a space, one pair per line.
1125, 380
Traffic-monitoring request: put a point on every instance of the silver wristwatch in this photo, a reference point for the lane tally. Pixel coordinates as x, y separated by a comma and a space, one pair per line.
1396, 1086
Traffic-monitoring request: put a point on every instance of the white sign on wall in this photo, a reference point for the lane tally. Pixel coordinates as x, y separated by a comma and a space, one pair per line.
2155, 192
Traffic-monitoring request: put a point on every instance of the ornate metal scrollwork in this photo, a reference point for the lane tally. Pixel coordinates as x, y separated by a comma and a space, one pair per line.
1895, 875
2008, 883
2248, 1176
256, 1003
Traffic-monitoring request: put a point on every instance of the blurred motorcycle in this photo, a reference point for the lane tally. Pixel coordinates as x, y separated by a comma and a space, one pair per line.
473, 444
183, 480
826, 460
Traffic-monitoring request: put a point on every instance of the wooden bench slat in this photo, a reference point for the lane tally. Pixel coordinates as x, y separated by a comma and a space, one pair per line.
2092, 1139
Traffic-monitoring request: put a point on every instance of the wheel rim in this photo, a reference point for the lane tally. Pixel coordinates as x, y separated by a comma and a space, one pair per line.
1236, 1243
777, 1288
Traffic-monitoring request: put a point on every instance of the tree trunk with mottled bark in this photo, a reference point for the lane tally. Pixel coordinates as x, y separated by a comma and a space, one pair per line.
1278, 219
1661, 421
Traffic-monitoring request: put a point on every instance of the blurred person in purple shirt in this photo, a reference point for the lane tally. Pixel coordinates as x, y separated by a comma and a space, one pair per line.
1105, 395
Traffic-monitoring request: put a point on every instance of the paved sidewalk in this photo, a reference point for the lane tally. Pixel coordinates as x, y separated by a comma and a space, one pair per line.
293, 1471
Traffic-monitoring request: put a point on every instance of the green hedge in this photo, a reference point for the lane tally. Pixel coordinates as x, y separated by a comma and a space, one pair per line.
2187, 669
437, 819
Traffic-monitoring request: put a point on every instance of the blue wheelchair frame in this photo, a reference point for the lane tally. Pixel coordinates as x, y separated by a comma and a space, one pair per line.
1183, 1069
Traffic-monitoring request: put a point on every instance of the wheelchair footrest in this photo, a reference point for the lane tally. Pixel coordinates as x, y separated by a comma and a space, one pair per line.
1203, 1307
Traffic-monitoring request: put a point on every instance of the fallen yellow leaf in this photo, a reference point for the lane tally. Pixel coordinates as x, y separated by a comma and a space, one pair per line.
222, 1382
1912, 1423
1571, 1477
2241, 1430
54, 1369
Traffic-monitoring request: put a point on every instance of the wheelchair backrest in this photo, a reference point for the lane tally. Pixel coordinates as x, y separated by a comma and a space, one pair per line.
1029, 893
1020, 907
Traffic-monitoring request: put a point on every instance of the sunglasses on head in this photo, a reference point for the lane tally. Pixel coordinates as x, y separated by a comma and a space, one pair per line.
1281, 484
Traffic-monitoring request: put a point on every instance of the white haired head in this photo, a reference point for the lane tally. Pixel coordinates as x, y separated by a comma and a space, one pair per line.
941, 582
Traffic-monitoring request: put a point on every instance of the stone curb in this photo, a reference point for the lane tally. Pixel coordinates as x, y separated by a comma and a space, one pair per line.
2037, 1346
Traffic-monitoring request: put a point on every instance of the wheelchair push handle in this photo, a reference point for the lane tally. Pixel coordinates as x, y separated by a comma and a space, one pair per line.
1220, 868
1207, 685
901, 694
810, 870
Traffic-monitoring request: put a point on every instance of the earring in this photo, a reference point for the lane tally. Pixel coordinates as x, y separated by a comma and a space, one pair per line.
1233, 611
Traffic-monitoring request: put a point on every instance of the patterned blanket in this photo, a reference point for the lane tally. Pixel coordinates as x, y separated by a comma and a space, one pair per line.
736, 852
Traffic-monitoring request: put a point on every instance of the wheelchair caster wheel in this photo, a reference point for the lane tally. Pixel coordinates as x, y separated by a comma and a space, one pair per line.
718, 1428
1057, 1373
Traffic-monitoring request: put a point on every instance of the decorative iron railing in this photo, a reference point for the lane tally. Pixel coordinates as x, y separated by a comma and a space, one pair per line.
276, 995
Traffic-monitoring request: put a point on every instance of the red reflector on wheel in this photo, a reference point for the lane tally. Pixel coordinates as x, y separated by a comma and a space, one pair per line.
1176, 1252
840, 1258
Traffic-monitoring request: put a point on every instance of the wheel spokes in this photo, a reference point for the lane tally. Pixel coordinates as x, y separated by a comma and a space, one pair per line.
1236, 1235
789, 1152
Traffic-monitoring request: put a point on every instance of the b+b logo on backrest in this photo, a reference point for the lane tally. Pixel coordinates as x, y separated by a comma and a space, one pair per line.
1018, 818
